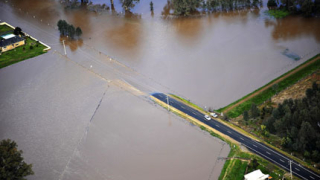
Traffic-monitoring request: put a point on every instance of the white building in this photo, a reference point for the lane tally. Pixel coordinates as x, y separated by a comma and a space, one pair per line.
256, 175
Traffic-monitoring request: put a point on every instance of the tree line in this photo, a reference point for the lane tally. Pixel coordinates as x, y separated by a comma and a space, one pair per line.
187, 7
296, 122
68, 29
306, 7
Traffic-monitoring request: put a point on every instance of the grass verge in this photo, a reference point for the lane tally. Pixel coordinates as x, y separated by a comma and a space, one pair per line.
277, 13
21, 53
187, 102
268, 93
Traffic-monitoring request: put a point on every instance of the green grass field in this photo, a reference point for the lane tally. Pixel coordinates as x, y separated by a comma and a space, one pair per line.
21, 53
5, 28
268, 93
277, 13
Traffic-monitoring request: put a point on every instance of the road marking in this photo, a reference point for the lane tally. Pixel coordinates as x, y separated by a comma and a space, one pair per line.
268, 152
217, 125
254, 145
229, 132
194, 113
183, 107
242, 139
312, 177
297, 169
281, 160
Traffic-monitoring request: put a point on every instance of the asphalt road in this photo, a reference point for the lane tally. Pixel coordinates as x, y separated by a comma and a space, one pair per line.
254, 146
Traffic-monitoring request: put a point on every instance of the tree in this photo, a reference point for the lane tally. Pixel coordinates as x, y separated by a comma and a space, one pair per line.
127, 4
78, 32
151, 6
271, 3
71, 31
246, 115
185, 7
63, 27
255, 112
12, 163
306, 7
17, 31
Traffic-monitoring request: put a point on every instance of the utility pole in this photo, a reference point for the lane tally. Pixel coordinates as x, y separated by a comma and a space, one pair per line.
290, 168
168, 101
65, 52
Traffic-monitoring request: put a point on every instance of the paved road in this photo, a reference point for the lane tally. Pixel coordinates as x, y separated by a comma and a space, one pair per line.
254, 146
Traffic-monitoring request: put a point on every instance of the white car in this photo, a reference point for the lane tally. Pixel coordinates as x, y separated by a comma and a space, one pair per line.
214, 115
207, 117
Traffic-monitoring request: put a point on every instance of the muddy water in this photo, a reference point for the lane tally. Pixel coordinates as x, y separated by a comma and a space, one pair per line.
210, 60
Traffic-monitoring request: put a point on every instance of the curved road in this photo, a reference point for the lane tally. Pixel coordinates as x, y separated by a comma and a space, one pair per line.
254, 146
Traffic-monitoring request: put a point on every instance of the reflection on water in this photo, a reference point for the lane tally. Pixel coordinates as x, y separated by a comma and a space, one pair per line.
72, 44
229, 38
294, 27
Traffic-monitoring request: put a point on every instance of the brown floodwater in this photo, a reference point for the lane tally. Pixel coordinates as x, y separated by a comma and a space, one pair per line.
209, 59
212, 60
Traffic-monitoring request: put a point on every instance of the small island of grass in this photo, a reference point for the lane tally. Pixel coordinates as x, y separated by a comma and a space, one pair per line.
278, 13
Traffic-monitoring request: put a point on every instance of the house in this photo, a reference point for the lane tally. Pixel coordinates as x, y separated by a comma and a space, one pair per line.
256, 175
10, 41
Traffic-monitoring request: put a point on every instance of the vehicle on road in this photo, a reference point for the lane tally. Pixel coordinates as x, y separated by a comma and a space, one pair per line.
207, 117
214, 115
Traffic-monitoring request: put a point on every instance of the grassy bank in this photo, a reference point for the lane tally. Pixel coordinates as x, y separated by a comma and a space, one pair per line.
187, 102
29, 50
277, 13
269, 92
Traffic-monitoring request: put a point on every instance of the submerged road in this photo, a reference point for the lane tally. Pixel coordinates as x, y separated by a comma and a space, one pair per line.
254, 146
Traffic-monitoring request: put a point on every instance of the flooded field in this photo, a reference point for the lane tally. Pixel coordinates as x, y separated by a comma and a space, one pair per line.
87, 115
203, 58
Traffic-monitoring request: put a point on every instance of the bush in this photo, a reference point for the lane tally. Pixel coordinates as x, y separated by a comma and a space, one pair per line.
31, 47
271, 3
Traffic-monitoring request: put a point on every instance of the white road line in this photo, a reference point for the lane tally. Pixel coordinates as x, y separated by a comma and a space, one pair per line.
254, 145
312, 177
183, 107
297, 169
242, 139
268, 152
281, 160
229, 132
217, 125
275, 162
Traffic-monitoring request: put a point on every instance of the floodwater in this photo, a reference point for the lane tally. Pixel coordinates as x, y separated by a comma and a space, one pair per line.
209, 59
87, 116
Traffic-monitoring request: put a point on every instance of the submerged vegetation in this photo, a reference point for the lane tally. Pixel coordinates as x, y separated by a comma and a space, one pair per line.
187, 7
278, 13
68, 29
284, 7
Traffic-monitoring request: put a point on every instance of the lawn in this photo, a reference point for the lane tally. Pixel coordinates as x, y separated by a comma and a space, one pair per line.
29, 50
5, 28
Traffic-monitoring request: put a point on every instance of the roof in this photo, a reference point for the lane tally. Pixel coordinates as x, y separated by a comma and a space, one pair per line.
8, 36
6, 42
256, 175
